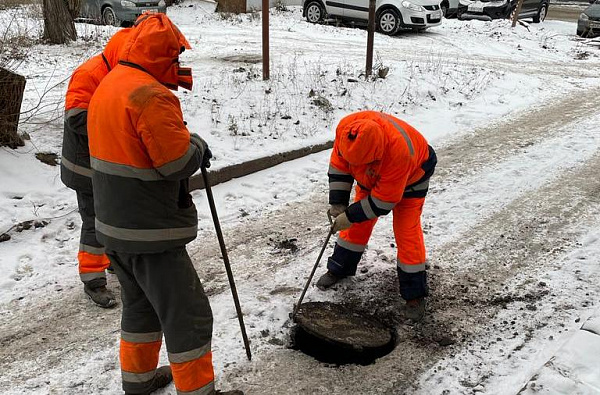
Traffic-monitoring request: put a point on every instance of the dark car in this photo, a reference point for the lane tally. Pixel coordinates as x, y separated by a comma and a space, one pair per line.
118, 12
588, 24
487, 10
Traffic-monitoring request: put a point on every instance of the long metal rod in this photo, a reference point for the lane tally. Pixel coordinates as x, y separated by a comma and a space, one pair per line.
238, 309
312, 274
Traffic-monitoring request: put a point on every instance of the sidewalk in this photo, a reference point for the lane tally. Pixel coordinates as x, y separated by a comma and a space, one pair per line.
574, 368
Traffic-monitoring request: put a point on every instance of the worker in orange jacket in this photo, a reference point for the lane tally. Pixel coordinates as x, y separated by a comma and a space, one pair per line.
75, 166
143, 155
391, 163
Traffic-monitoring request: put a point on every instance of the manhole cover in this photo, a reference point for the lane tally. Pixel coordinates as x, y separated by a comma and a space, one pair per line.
332, 333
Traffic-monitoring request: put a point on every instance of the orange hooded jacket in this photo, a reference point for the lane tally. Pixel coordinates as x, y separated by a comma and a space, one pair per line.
141, 151
385, 155
75, 163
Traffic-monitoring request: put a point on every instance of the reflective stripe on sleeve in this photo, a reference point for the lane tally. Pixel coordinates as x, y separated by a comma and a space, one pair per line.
148, 337
82, 171
117, 169
186, 356
178, 164
146, 234
333, 170
340, 186
366, 207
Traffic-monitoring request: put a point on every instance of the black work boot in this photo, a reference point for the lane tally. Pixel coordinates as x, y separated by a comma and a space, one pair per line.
96, 290
328, 280
162, 378
415, 309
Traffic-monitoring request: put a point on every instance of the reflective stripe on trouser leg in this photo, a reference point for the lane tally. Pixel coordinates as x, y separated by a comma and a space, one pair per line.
351, 244
411, 248
91, 257
193, 371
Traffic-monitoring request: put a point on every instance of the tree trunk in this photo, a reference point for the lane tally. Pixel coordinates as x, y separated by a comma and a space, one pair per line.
12, 87
59, 27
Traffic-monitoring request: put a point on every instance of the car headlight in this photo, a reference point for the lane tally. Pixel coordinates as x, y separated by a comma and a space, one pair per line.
411, 6
584, 17
465, 2
128, 4
162, 3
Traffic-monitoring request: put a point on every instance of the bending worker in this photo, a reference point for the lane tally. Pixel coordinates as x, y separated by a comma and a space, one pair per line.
391, 163
143, 156
75, 170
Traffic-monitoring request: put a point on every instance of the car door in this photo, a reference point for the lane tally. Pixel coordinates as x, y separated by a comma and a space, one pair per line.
335, 7
356, 9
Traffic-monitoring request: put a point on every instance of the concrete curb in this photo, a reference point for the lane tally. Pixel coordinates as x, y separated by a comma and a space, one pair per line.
243, 169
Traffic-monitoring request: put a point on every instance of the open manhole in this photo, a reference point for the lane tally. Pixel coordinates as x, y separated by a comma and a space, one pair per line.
332, 333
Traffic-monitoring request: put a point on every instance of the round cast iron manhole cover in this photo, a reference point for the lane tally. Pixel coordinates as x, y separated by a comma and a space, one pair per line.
332, 333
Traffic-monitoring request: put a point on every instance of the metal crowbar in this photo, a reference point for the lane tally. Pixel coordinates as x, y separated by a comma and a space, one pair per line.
238, 309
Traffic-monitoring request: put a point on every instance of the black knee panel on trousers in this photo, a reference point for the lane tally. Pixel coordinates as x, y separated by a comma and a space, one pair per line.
413, 285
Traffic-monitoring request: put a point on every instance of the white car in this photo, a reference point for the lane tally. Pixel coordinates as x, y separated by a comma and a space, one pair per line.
390, 15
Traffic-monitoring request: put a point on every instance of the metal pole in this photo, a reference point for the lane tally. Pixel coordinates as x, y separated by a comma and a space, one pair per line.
236, 301
517, 11
314, 267
370, 38
265, 38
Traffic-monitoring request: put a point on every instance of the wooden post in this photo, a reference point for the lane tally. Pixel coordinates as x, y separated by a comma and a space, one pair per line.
12, 87
370, 38
516, 13
265, 38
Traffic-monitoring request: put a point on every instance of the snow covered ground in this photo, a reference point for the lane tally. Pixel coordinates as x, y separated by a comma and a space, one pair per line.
511, 222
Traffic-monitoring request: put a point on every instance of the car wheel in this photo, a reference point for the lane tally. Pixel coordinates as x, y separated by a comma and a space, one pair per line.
388, 22
444, 8
315, 12
541, 15
109, 17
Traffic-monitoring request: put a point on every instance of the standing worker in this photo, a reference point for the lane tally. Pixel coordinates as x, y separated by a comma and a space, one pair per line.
142, 156
75, 170
391, 163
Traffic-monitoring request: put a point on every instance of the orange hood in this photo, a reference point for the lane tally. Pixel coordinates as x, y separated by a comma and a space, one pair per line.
114, 47
155, 45
360, 141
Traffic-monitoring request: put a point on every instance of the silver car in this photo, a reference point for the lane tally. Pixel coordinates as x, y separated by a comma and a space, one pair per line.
118, 12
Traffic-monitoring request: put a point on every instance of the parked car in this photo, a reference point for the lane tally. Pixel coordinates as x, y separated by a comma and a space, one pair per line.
449, 8
588, 24
487, 10
118, 12
390, 15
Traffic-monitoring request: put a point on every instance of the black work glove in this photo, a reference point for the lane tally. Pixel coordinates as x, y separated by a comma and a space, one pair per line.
202, 145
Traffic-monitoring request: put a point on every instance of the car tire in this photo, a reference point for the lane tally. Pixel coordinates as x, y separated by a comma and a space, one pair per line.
444, 8
388, 22
109, 17
315, 13
541, 14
